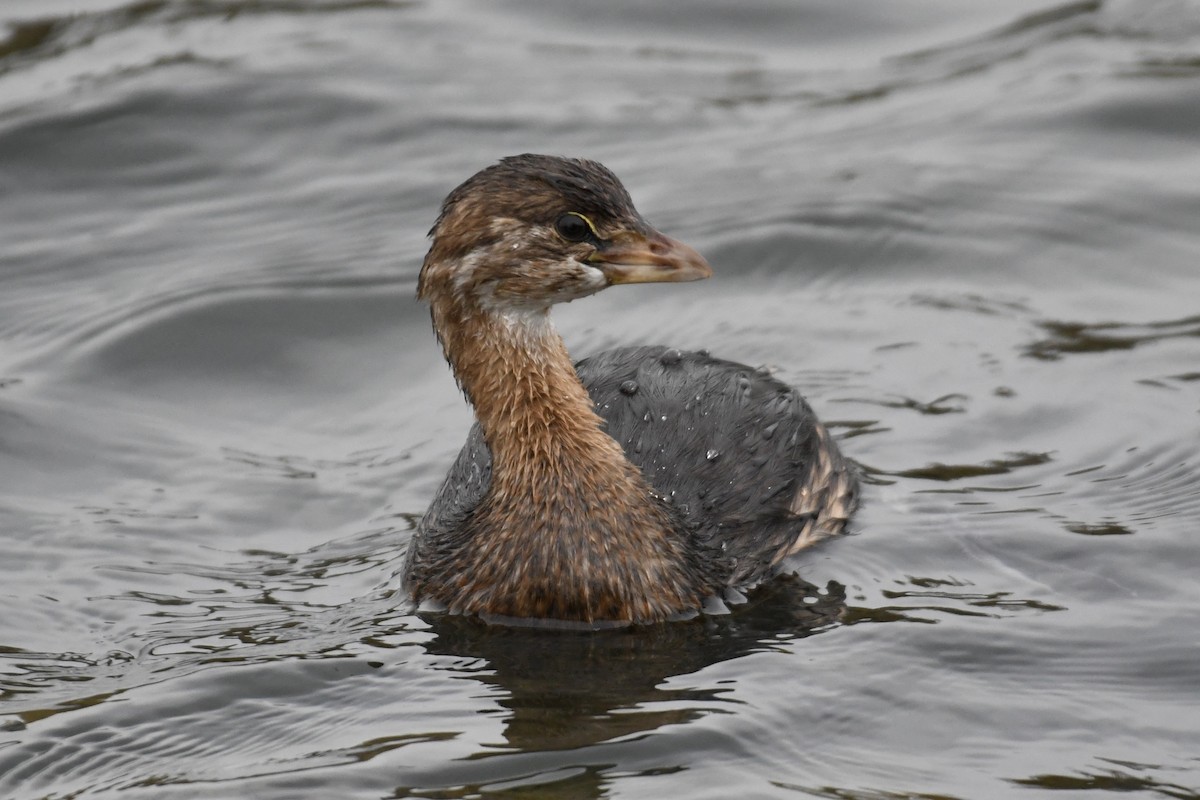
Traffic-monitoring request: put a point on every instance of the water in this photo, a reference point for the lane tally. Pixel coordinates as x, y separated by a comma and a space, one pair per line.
967, 231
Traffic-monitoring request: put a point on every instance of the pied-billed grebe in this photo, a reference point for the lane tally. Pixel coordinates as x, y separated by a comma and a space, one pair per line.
628, 488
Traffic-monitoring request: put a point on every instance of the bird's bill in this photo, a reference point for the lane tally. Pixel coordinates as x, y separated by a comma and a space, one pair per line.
648, 257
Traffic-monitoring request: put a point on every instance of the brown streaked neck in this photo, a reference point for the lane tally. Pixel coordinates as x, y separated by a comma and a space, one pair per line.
568, 528
537, 418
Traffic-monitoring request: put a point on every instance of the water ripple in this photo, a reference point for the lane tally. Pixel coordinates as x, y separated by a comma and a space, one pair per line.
1100, 337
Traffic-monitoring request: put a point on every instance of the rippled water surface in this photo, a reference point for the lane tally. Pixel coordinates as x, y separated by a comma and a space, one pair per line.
970, 232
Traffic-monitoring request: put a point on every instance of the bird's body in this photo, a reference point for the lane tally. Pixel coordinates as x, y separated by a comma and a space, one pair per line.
625, 489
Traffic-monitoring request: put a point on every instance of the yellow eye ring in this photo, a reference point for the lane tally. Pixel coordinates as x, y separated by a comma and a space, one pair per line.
575, 227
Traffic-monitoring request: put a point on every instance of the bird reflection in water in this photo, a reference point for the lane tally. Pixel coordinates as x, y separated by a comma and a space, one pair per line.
569, 689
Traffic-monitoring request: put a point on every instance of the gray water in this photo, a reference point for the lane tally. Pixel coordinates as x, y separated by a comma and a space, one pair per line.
968, 231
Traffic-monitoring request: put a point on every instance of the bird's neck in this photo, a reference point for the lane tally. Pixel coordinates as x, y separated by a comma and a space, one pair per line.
537, 418
568, 528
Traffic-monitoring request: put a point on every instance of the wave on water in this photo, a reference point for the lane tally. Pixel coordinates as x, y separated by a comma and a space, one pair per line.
49, 37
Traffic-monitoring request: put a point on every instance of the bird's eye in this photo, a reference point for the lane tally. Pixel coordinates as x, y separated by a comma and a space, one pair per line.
573, 227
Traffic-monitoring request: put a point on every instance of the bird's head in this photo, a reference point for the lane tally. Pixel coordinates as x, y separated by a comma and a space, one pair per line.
536, 230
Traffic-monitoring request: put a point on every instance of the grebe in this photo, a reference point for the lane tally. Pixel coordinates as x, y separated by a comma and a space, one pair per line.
631, 487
